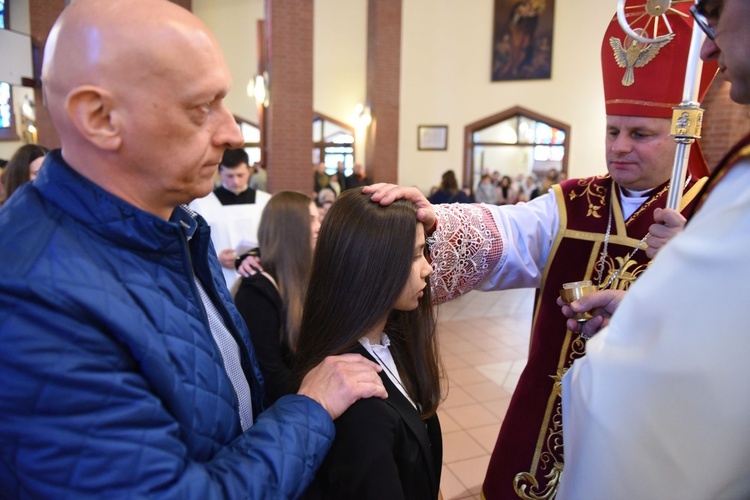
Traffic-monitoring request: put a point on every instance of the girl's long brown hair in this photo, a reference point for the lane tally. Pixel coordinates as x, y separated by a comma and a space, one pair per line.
361, 264
284, 238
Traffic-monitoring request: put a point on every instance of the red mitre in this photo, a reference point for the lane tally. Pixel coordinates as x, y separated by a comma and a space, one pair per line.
647, 79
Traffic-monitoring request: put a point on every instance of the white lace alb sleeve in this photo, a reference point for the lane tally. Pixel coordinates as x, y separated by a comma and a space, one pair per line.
488, 247
464, 248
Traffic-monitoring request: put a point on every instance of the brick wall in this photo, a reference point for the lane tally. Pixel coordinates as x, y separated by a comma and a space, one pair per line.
42, 15
724, 122
289, 42
383, 88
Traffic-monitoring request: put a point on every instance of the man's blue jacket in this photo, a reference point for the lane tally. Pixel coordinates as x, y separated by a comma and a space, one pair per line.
110, 380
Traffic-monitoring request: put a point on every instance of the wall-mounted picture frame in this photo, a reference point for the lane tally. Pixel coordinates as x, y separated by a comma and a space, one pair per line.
522, 40
432, 137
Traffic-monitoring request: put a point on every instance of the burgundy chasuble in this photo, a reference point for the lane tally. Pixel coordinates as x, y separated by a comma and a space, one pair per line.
528, 457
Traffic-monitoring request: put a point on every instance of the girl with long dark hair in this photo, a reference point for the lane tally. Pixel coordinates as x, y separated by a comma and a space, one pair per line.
369, 293
271, 301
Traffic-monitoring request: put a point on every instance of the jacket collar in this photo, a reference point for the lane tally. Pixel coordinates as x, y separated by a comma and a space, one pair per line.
110, 217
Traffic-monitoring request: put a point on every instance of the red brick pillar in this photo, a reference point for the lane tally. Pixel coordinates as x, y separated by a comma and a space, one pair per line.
42, 15
289, 41
383, 79
724, 122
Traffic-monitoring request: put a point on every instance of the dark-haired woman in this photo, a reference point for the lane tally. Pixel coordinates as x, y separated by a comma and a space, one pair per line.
22, 168
271, 301
449, 191
369, 294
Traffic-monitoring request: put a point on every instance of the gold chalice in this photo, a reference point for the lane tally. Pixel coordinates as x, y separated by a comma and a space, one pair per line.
575, 290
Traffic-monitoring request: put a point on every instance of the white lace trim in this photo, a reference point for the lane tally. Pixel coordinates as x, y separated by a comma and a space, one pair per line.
464, 248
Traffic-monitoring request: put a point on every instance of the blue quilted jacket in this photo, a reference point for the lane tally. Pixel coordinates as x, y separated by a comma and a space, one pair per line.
110, 381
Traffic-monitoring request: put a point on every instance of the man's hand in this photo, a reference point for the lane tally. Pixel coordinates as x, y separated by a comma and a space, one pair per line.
667, 224
601, 304
227, 257
339, 381
385, 194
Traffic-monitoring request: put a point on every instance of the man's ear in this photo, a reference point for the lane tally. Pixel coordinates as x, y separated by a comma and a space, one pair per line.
91, 109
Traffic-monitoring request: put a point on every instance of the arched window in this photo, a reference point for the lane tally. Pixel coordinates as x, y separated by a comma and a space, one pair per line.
333, 141
251, 134
515, 141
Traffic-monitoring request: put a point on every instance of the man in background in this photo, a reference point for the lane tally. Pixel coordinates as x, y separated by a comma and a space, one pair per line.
259, 178
233, 211
357, 177
126, 370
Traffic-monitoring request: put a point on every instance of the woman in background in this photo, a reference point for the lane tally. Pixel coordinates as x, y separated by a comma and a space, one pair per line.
369, 294
271, 301
449, 192
507, 195
22, 168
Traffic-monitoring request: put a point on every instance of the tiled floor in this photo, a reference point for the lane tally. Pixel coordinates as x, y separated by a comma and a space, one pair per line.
484, 340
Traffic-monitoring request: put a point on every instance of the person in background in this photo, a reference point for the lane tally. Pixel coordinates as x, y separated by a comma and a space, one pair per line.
259, 179
271, 301
369, 294
551, 178
656, 409
22, 167
507, 195
3, 163
339, 178
127, 371
486, 192
234, 173
529, 189
233, 211
582, 229
496, 178
320, 177
449, 191
325, 199
334, 184
357, 177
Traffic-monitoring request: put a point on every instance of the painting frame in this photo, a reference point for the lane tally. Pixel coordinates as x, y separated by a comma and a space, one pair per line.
522, 40
432, 137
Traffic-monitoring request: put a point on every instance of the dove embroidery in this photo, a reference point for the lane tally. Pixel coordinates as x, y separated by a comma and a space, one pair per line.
634, 56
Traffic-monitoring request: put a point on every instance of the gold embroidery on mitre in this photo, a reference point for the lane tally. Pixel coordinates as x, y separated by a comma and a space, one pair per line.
596, 196
634, 54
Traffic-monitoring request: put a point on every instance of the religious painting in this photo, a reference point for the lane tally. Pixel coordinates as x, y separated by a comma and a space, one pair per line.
522, 40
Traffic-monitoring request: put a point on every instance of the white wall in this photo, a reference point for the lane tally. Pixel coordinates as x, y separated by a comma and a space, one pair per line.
445, 73
234, 24
445, 80
340, 55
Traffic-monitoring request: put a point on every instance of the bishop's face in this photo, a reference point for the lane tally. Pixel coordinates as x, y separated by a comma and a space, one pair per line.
640, 152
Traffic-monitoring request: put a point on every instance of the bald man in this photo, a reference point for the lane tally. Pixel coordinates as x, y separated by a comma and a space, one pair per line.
125, 368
